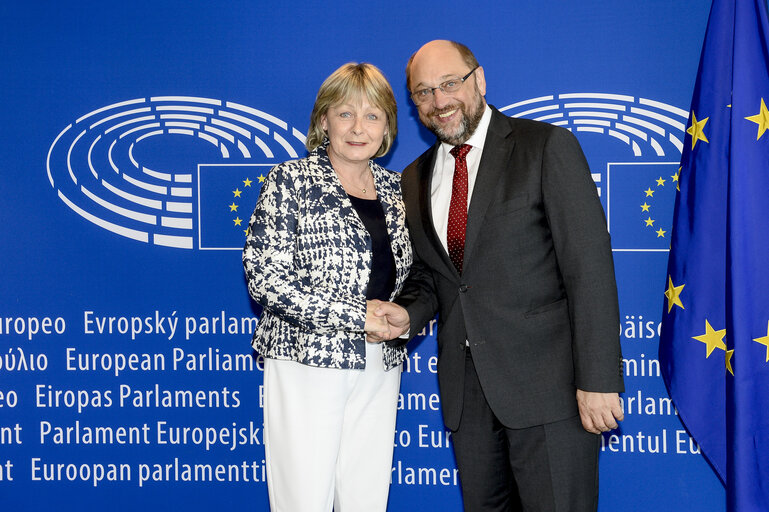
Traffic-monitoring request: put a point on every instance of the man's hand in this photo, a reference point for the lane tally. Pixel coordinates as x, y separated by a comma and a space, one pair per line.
396, 318
599, 412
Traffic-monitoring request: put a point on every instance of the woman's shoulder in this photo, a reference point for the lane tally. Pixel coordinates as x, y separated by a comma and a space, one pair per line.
298, 168
297, 164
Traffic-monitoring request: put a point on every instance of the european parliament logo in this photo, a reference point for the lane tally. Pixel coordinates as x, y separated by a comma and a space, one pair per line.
134, 168
636, 143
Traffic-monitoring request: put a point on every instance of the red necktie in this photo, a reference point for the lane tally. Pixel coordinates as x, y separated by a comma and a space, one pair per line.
458, 207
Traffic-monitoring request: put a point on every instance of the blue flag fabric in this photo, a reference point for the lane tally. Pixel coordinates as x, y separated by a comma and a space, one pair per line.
714, 347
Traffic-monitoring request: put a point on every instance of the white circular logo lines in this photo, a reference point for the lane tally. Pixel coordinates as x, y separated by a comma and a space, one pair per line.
648, 127
99, 164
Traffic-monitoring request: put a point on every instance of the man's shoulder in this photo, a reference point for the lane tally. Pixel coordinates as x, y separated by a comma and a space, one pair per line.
521, 127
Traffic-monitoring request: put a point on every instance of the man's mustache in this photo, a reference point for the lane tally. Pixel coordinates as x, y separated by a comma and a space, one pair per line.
439, 111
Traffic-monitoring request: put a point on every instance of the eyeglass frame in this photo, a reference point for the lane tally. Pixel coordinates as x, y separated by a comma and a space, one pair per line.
440, 86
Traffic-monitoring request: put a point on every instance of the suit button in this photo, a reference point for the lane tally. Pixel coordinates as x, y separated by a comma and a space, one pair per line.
462, 288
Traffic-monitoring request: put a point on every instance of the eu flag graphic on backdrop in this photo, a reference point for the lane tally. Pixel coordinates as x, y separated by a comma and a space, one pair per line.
714, 347
640, 219
228, 194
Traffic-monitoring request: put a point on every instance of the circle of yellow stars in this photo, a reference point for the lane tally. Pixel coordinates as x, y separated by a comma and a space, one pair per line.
237, 193
712, 338
649, 196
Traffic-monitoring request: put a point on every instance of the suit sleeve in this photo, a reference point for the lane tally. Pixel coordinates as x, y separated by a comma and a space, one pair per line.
418, 297
268, 259
583, 252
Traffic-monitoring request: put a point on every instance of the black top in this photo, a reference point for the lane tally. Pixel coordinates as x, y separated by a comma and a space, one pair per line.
382, 279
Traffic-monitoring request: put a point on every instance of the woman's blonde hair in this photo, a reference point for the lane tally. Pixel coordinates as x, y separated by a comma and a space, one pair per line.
347, 83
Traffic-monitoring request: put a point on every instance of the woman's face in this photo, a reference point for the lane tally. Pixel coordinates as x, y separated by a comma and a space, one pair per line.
355, 130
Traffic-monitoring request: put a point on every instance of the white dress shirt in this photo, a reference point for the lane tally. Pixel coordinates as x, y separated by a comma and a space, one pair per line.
443, 175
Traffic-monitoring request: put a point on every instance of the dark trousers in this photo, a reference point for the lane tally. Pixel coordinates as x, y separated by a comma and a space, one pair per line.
545, 468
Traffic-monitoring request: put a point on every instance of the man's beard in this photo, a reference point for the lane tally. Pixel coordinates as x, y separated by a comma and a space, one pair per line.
466, 127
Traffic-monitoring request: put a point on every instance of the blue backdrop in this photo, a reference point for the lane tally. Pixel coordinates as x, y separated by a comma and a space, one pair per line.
132, 146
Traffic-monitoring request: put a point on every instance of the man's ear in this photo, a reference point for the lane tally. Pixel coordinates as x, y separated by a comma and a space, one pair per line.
480, 80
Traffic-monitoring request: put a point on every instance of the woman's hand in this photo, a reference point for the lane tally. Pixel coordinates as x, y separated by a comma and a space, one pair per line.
376, 326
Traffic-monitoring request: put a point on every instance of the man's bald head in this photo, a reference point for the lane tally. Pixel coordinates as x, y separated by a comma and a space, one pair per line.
441, 45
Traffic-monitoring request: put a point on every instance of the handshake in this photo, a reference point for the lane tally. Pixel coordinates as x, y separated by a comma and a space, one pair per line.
385, 321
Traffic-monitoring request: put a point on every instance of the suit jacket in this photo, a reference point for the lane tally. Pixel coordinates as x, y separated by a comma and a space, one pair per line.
537, 298
308, 258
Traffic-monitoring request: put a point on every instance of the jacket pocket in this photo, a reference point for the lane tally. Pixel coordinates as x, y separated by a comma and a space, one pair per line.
560, 303
517, 202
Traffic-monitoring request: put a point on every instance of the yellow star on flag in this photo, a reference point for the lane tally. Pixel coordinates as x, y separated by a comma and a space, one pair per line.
661, 233
237, 221
236, 192
675, 179
761, 119
660, 182
261, 178
649, 192
729, 354
712, 339
673, 293
645, 207
764, 340
233, 207
696, 130
649, 221
247, 182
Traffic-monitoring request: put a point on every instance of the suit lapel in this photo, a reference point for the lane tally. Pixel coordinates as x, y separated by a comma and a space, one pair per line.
385, 194
395, 217
332, 185
393, 211
497, 149
425, 169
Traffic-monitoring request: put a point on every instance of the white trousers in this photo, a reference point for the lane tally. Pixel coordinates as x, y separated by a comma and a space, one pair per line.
329, 435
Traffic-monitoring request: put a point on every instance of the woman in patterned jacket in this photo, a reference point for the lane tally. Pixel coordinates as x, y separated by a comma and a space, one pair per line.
328, 241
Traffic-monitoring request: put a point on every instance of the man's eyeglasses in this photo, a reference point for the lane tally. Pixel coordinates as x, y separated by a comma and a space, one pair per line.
421, 96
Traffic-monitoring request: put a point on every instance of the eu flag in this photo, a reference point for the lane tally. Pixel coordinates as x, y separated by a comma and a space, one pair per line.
227, 195
714, 348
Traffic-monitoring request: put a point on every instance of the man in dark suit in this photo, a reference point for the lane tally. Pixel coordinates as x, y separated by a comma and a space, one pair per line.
512, 251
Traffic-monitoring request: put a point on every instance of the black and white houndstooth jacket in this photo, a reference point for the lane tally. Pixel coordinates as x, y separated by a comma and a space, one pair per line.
308, 259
